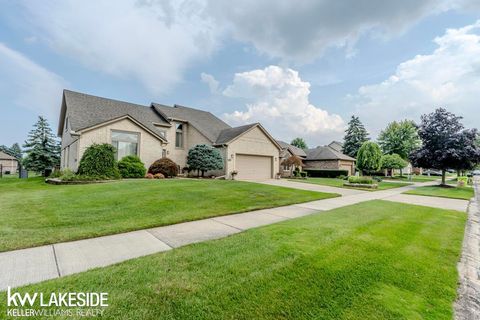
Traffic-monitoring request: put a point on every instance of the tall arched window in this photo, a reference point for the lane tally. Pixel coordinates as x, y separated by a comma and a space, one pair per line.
179, 135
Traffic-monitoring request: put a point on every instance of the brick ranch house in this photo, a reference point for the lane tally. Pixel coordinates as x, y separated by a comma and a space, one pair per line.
329, 158
8, 163
157, 131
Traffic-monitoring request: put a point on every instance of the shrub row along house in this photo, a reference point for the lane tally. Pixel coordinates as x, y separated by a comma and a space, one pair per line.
157, 131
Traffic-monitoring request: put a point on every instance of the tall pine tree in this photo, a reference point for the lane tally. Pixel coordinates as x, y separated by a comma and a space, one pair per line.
355, 136
16, 151
41, 148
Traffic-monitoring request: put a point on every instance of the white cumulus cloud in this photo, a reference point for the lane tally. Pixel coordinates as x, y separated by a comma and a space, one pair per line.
448, 77
211, 82
279, 99
29, 85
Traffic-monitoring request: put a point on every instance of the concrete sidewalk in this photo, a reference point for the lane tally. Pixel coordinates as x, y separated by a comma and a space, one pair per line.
21, 267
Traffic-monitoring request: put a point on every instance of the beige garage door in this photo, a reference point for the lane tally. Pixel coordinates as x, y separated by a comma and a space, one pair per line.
252, 167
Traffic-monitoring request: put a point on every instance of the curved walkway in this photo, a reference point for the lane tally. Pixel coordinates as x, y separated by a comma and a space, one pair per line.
21, 267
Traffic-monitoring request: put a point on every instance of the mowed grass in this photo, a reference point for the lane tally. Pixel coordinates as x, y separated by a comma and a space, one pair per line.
465, 193
374, 260
332, 182
415, 178
33, 213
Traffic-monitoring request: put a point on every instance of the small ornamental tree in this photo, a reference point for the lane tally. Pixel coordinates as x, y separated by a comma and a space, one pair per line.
393, 161
293, 161
369, 157
203, 157
98, 161
355, 136
299, 143
41, 148
165, 166
131, 167
445, 143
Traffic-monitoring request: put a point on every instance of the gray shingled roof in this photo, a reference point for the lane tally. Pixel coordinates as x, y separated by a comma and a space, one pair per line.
336, 145
205, 122
326, 153
227, 135
295, 150
4, 156
84, 111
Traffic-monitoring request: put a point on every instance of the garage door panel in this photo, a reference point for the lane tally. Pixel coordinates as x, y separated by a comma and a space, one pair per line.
253, 167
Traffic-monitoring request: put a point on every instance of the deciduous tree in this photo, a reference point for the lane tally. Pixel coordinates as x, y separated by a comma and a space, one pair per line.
399, 138
393, 161
445, 143
299, 143
369, 157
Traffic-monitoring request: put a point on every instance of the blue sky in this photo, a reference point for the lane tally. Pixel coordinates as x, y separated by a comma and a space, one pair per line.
301, 69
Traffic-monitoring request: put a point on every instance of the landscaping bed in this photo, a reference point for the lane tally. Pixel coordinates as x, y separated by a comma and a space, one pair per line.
35, 213
374, 260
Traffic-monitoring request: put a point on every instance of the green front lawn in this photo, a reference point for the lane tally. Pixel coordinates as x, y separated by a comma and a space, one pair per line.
444, 192
374, 260
332, 182
415, 178
33, 213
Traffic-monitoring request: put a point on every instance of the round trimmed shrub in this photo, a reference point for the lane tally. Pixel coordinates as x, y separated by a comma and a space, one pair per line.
99, 161
149, 176
164, 166
131, 167
159, 176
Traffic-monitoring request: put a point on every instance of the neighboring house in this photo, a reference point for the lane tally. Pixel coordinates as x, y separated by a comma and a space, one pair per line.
157, 131
287, 151
337, 146
8, 163
328, 158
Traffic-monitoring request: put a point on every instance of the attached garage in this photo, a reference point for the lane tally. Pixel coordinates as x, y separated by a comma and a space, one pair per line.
254, 167
250, 151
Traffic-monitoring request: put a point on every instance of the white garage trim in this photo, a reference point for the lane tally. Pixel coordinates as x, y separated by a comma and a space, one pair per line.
253, 167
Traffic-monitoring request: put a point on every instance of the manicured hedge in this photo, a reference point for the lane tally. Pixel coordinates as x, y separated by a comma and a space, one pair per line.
131, 167
165, 166
360, 180
325, 173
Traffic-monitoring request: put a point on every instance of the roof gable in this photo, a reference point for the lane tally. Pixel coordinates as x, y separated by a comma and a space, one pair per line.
84, 111
231, 134
293, 150
337, 146
205, 122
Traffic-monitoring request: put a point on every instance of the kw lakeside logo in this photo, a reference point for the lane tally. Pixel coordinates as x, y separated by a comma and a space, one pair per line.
56, 304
